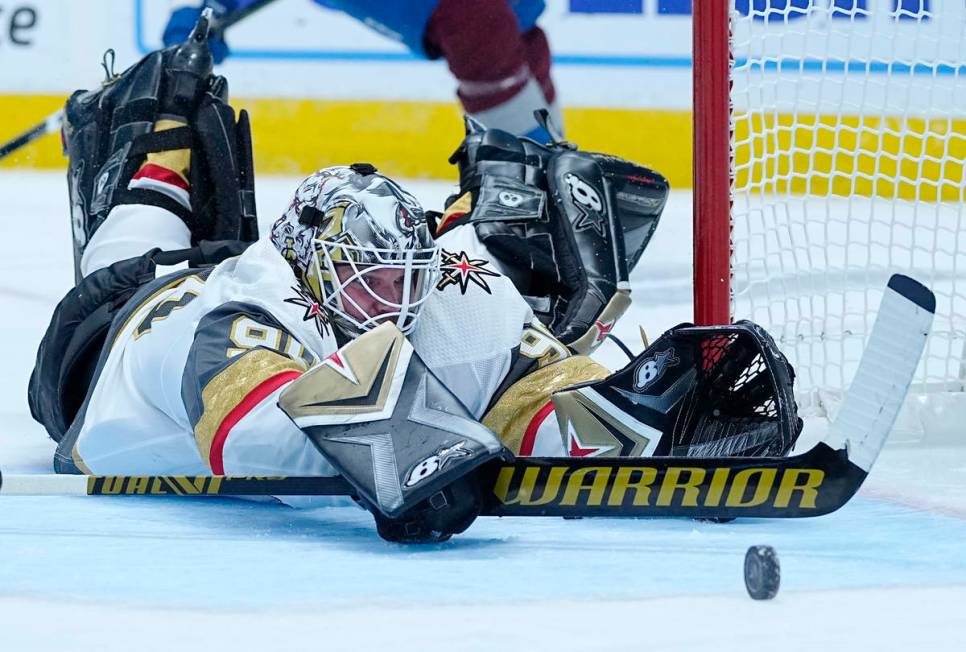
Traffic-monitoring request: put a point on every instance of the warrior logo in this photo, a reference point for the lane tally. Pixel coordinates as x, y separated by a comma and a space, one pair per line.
436, 462
651, 369
459, 269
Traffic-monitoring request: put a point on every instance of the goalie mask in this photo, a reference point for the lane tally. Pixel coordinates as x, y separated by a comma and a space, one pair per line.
360, 245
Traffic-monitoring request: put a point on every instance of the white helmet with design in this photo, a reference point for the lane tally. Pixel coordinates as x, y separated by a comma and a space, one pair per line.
360, 245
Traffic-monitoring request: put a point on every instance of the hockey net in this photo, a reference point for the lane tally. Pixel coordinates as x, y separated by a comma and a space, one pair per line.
830, 149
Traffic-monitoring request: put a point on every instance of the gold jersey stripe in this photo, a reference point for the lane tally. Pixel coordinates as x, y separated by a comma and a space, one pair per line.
512, 414
229, 387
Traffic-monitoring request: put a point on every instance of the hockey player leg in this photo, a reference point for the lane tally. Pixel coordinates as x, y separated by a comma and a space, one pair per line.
488, 55
147, 139
400, 437
539, 58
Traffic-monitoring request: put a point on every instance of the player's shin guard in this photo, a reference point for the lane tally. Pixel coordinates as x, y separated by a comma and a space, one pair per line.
396, 433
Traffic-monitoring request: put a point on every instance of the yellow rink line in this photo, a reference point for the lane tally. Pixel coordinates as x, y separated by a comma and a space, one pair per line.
905, 158
846, 155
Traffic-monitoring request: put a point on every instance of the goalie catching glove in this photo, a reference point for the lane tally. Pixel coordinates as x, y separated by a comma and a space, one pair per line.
568, 226
161, 134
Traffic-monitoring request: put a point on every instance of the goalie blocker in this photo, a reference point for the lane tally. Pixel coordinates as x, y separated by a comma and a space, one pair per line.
402, 440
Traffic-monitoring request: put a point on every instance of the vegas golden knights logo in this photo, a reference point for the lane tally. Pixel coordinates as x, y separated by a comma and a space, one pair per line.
355, 380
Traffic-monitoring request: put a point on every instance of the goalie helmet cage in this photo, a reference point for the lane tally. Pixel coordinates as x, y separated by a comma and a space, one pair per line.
830, 152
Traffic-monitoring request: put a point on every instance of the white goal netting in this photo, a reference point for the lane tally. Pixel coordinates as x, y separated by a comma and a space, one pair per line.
849, 144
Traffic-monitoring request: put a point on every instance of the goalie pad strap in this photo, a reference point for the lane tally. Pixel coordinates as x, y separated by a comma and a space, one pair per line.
153, 198
162, 140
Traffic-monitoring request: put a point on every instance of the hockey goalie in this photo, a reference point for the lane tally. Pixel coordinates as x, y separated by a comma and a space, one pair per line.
361, 335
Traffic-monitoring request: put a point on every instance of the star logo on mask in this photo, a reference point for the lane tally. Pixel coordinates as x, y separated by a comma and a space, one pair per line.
313, 311
459, 269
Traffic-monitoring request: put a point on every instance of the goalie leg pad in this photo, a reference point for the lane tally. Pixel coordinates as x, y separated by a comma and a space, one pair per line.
570, 225
159, 106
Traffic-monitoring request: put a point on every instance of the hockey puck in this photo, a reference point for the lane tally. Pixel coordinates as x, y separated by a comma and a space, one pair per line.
762, 572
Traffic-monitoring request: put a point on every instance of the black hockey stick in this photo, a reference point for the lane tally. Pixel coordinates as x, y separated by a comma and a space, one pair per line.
48, 126
53, 122
817, 482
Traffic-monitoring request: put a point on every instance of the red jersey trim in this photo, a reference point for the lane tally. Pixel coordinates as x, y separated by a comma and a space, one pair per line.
162, 174
246, 405
530, 434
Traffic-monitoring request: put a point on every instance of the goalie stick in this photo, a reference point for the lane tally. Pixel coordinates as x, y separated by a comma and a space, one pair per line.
814, 483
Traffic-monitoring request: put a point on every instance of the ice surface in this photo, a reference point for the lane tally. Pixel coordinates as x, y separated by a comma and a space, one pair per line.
885, 572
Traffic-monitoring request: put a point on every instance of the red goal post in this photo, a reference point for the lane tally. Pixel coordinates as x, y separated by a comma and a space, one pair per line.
712, 162
830, 153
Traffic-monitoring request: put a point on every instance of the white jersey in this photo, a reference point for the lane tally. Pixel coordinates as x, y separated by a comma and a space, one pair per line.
197, 359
